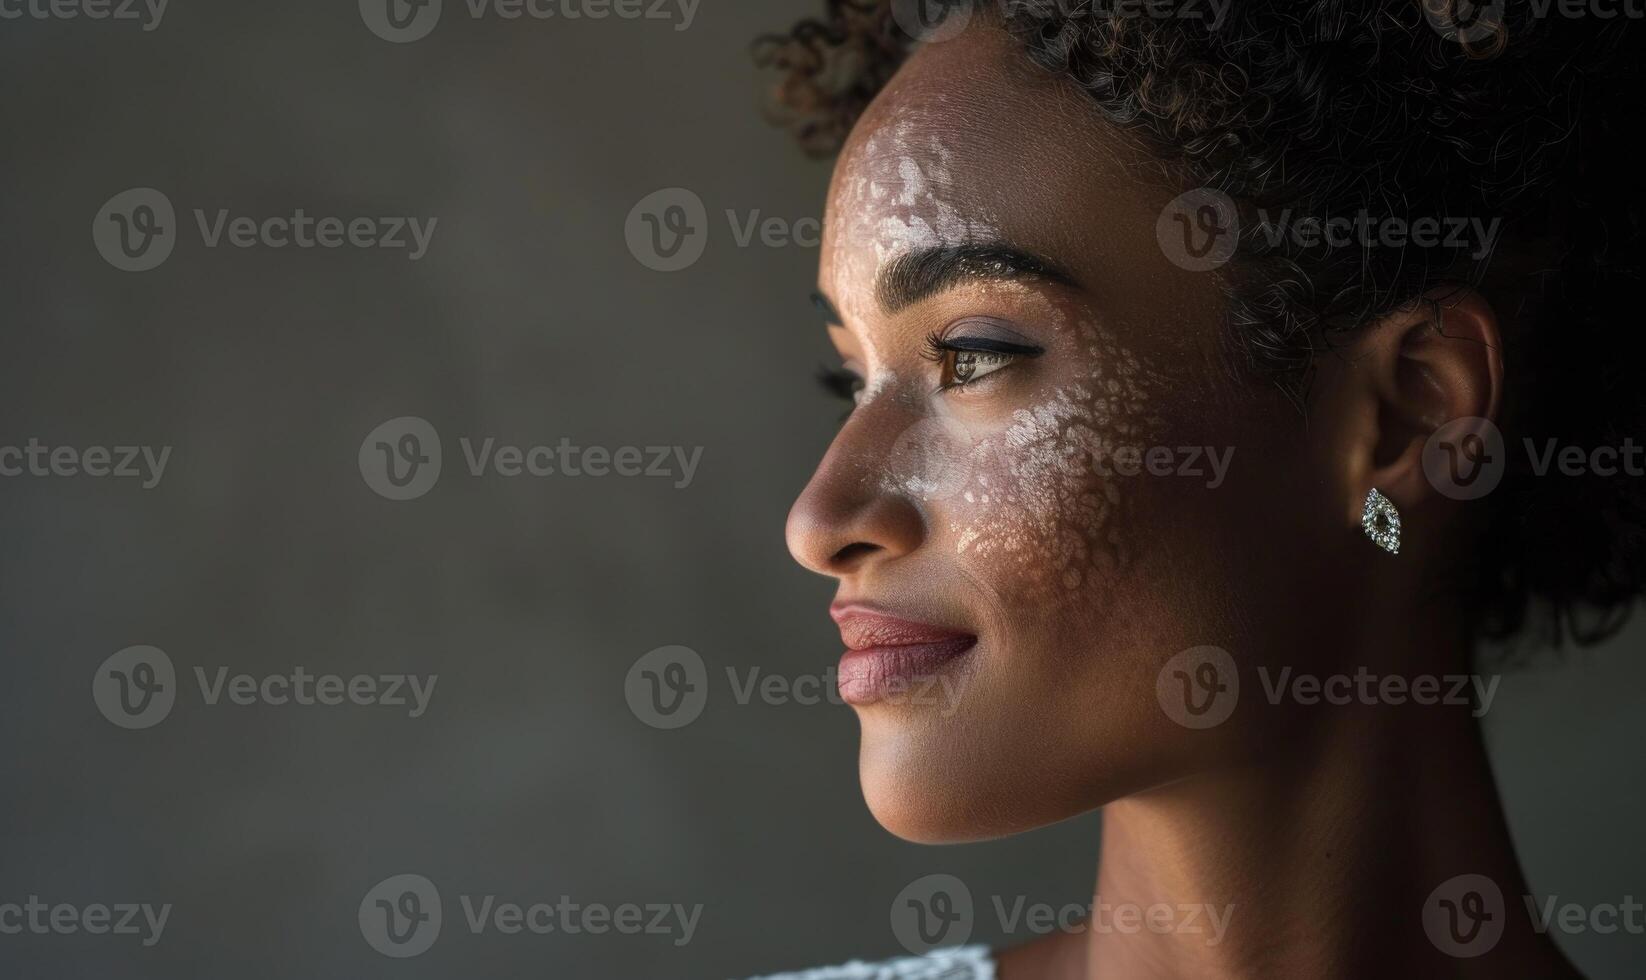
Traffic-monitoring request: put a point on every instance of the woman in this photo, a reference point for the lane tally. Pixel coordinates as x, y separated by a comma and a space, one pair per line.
1196, 355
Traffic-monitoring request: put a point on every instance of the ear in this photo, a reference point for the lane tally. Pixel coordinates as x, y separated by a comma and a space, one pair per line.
1434, 360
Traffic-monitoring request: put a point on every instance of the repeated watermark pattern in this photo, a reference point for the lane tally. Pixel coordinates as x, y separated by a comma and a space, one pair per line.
402, 916
669, 687
136, 230
148, 13
35, 916
1200, 687
1465, 916
936, 457
1201, 230
145, 465
401, 459
137, 687
931, 21
1466, 458
404, 21
668, 229
1478, 24
938, 910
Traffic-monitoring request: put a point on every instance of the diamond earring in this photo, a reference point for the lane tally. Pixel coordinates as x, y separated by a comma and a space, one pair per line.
1381, 522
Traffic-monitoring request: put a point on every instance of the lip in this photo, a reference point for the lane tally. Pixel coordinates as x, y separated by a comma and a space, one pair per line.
890, 657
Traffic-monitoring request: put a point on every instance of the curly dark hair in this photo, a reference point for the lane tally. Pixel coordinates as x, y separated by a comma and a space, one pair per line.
1386, 107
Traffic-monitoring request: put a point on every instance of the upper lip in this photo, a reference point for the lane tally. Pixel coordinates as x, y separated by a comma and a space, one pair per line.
865, 628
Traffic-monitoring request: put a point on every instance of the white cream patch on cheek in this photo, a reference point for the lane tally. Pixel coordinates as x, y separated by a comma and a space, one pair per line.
1041, 505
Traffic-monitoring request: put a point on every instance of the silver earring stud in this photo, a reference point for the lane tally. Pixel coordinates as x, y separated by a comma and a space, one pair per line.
1381, 522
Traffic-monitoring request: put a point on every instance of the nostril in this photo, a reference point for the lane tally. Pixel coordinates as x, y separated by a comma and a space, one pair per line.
853, 552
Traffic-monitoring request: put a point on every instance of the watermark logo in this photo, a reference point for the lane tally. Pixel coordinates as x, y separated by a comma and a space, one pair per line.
668, 687
136, 687
932, 911
400, 916
400, 459
667, 230
135, 230
938, 911
930, 21
1464, 916
403, 21
1465, 21
1465, 458
1199, 230
933, 458
400, 21
1199, 687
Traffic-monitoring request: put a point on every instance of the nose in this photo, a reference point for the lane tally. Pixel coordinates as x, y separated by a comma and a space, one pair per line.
852, 516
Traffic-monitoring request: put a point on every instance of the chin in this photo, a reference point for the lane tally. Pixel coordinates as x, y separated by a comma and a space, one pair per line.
923, 785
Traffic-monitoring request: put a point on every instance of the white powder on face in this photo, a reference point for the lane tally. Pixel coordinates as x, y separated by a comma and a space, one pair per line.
893, 196
1025, 499
1049, 518
881, 381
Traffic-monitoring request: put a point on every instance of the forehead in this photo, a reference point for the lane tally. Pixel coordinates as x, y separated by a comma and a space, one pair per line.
970, 141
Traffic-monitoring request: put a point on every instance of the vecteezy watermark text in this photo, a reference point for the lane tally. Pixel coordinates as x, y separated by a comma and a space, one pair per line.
404, 21
137, 687
402, 915
669, 687
36, 459
402, 458
38, 917
1201, 230
938, 910
136, 230
1200, 687
150, 12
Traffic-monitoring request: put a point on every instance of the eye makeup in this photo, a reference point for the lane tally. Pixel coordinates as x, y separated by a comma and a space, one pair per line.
963, 360
840, 383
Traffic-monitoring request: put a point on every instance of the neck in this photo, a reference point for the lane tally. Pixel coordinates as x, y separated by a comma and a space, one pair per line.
1316, 862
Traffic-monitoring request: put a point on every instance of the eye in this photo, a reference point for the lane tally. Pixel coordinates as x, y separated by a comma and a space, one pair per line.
965, 366
964, 360
841, 383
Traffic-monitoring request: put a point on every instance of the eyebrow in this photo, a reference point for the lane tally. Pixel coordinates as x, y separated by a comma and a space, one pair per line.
926, 272
923, 273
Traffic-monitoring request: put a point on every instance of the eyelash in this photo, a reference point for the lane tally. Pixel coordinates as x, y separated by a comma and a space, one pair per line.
846, 385
996, 354
840, 383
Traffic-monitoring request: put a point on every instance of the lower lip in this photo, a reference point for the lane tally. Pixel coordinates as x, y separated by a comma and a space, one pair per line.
901, 673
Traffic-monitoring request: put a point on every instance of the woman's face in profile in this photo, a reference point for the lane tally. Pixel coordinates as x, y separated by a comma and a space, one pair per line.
1047, 483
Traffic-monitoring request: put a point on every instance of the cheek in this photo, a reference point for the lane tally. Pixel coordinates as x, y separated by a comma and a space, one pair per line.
1044, 508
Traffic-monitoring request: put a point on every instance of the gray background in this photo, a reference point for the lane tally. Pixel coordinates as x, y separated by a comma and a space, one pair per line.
530, 320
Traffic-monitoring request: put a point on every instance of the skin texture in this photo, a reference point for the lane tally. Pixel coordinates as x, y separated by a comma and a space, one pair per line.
1000, 509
